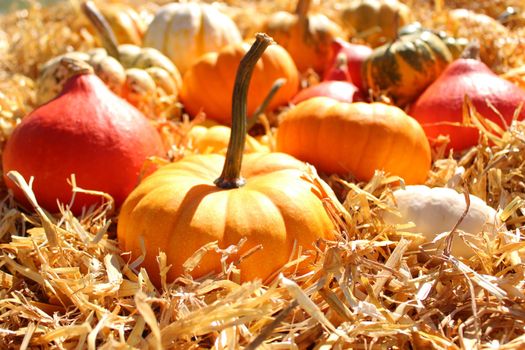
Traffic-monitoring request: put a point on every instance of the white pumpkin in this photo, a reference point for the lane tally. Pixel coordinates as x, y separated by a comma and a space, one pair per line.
437, 210
185, 31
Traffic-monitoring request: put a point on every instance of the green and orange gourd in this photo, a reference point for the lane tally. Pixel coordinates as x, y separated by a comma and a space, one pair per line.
184, 206
403, 68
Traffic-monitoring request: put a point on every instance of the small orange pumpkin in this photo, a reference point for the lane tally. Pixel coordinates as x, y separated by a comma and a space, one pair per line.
215, 140
208, 85
356, 138
307, 37
180, 208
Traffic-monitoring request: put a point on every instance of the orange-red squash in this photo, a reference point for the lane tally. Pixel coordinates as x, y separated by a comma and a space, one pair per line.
87, 131
440, 108
184, 206
355, 138
208, 85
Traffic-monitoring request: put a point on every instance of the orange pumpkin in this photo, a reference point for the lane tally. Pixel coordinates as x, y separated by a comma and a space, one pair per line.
307, 37
208, 85
215, 140
125, 22
355, 138
181, 207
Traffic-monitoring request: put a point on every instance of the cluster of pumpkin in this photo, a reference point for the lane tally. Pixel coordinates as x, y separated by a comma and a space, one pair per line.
89, 131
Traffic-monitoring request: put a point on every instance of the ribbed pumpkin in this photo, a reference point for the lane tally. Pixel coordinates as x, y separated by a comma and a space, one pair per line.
404, 68
355, 138
376, 21
307, 37
456, 46
125, 22
184, 206
208, 85
186, 31
143, 76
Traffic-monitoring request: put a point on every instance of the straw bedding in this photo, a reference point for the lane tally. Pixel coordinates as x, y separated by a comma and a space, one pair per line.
64, 283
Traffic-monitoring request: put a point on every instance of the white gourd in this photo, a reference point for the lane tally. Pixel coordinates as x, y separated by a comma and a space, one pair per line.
434, 211
185, 31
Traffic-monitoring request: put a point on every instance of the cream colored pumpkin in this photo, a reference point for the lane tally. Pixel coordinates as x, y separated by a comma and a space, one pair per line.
185, 31
437, 210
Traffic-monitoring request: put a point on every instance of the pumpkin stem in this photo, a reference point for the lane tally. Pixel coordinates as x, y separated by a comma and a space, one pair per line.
471, 51
262, 107
397, 25
106, 34
75, 66
302, 8
231, 172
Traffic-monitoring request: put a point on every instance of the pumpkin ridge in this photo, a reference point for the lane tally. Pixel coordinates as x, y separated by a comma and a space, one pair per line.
406, 163
363, 153
389, 147
191, 210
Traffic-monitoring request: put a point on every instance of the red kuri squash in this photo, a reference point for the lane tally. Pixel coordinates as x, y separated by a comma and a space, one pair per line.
87, 131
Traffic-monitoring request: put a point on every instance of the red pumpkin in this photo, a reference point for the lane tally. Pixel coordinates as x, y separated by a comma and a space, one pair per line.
338, 90
337, 85
440, 108
87, 131
355, 56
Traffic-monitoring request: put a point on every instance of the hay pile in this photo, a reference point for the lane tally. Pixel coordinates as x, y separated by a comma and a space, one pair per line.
64, 283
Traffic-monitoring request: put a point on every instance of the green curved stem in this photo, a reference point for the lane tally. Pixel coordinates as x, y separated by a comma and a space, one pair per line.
231, 172
262, 107
105, 33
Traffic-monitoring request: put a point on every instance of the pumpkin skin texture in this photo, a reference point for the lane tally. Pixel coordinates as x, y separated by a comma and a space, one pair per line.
307, 37
178, 209
442, 102
437, 210
217, 70
337, 85
125, 22
186, 31
87, 131
355, 55
366, 16
456, 46
215, 140
405, 67
338, 90
355, 138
